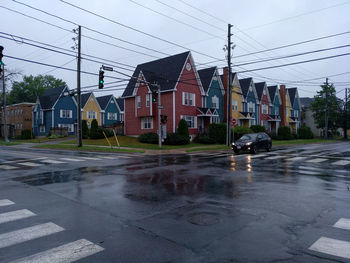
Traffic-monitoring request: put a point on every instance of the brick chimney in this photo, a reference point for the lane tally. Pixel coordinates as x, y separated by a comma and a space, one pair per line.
283, 105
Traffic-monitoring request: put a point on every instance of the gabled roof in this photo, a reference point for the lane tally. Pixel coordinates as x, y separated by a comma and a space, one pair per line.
206, 76
292, 92
306, 102
272, 92
245, 83
103, 101
165, 72
260, 89
120, 102
84, 98
50, 96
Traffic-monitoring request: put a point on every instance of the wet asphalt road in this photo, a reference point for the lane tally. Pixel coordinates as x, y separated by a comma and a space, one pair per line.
199, 207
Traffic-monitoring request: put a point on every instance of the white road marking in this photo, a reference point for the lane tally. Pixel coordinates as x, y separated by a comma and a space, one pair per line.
316, 160
30, 164
15, 215
5, 202
7, 167
29, 233
295, 159
108, 157
90, 158
66, 253
332, 246
72, 159
343, 223
274, 157
308, 172
258, 156
310, 168
51, 161
341, 162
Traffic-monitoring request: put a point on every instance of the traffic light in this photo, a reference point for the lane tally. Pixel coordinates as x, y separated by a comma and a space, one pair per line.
163, 119
154, 96
100, 79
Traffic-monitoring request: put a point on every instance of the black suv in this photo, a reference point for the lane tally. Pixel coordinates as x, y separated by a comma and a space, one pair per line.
252, 142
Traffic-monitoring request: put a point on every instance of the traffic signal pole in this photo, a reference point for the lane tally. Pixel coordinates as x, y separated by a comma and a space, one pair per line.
229, 84
3, 95
79, 132
159, 113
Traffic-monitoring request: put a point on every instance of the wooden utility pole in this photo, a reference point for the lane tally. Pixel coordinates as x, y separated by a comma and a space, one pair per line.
159, 117
326, 112
229, 84
79, 126
4, 103
346, 115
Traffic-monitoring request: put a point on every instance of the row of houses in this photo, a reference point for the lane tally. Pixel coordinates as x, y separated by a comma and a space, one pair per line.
197, 96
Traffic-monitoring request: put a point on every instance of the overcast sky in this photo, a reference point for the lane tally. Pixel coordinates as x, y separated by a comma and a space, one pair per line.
202, 28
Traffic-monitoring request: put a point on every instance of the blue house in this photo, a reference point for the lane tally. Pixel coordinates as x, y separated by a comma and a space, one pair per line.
56, 108
111, 112
275, 118
295, 109
214, 93
250, 104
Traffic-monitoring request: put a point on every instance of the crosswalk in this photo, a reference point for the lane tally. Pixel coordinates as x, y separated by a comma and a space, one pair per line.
69, 252
334, 247
37, 162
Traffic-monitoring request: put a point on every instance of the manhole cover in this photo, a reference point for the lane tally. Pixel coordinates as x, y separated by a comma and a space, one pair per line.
203, 218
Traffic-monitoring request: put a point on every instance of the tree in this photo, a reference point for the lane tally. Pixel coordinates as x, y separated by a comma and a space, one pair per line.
94, 129
85, 129
183, 128
326, 98
31, 87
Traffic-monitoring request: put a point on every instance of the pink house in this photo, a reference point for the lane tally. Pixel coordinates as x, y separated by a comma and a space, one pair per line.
264, 103
181, 95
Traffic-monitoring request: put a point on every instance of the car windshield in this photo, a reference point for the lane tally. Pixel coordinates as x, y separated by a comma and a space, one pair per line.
248, 137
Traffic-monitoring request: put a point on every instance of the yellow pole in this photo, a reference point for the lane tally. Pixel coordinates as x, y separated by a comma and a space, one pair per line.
115, 136
107, 139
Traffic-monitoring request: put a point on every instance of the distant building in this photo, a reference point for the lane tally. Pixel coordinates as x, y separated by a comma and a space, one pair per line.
19, 117
306, 116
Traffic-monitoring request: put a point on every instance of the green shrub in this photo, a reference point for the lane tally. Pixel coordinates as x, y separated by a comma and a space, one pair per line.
26, 134
85, 129
284, 133
258, 128
205, 139
94, 130
240, 131
149, 137
305, 132
183, 128
100, 131
217, 132
55, 136
176, 139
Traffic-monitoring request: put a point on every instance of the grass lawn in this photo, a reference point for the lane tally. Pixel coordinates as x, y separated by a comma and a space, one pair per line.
301, 141
208, 148
85, 148
9, 143
132, 142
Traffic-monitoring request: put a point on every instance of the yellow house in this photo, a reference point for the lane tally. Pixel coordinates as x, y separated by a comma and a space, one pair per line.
289, 120
237, 99
90, 109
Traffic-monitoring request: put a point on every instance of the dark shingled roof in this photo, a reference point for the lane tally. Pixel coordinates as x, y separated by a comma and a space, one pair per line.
259, 89
206, 76
306, 102
120, 102
103, 101
292, 92
50, 96
84, 98
165, 72
272, 92
244, 83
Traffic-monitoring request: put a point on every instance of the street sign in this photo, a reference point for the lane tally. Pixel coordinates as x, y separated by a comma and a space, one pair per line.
160, 107
107, 68
234, 122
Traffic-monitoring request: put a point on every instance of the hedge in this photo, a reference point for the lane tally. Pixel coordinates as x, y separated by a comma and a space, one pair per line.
239, 131
149, 137
26, 134
258, 128
85, 129
284, 133
176, 139
305, 132
94, 130
217, 132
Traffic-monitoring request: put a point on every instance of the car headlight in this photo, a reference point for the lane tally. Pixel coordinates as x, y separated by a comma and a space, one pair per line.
248, 143
233, 144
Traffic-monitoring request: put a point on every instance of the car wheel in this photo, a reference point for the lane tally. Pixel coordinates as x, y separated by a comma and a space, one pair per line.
268, 148
236, 151
254, 149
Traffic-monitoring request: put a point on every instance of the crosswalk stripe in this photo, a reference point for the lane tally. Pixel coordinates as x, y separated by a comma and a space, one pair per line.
51, 161
316, 160
66, 253
90, 158
7, 167
274, 157
307, 172
29, 233
5, 202
341, 162
310, 168
15, 215
108, 157
30, 164
343, 223
332, 246
258, 156
72, 159
295, 159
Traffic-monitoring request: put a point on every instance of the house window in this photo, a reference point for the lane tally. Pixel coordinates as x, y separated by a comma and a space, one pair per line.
147, 123
69, 126
138, 101
41, 115
111, 116
235, 105
264, 109
251, 107
188, 99
251, 122
121, 116
192, 99
215, 119
215, 102
42, 128
66, 114
91, 115
191, 121
147, 100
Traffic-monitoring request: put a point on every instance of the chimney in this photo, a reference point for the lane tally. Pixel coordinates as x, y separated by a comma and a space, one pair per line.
283, 105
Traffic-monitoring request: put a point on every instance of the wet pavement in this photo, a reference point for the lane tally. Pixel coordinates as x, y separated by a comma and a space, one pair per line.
289, 205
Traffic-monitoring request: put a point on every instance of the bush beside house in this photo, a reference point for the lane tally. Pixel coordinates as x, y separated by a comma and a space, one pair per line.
304, 132
284, 133
217, 132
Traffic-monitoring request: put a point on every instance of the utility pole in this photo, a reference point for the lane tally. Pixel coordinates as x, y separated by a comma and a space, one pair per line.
326, 112
346, 114
79, 126
229, 84
3, 95
159, 113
